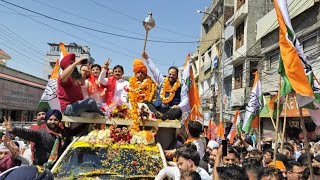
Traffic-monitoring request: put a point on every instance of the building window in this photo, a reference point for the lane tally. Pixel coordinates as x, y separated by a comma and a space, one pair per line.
238, 76
253, 68
240, 3
274, 60
240, 35
228, 47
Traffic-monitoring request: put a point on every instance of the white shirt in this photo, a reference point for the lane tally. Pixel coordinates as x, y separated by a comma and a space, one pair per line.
203, 174
174, 173
200, 147
158, 77
171, 171
121, 84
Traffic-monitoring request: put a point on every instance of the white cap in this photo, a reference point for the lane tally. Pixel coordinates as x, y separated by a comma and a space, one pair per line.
213, 144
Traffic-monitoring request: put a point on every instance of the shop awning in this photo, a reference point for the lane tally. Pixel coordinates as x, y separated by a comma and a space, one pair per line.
291, 105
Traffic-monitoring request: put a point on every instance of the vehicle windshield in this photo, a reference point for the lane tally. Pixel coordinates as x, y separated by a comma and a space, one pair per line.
131, 161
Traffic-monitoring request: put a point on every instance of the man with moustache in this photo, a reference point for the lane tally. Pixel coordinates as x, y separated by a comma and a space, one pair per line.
45, 138
172, 100
69, 89
41, 124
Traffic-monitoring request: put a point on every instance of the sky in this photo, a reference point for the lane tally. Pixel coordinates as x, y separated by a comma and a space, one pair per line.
24, 35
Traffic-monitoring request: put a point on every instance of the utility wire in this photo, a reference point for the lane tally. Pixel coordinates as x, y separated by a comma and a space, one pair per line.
96, 30
135, 19
98, 45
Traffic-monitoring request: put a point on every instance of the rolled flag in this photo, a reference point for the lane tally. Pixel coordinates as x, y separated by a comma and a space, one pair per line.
236, 128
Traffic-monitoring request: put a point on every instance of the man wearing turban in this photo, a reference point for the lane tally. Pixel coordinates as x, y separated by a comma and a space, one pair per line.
141, 85
41, 123
69, 89
45, 138
139, 69
171, 101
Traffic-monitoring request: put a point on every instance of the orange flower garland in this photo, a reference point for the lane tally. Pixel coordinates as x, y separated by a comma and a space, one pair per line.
138, 93
166, 88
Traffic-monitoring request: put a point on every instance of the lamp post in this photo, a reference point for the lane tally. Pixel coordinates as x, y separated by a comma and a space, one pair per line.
148, 24
222, 41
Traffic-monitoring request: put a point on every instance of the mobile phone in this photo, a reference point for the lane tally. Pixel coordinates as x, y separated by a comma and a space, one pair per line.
84, 61
224, 147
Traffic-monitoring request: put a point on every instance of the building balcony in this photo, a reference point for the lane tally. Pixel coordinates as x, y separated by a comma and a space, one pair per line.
240, 11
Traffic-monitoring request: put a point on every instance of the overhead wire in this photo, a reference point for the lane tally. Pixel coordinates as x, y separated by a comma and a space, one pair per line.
96, 30
22, 46
135, 19
72, 35
96, 21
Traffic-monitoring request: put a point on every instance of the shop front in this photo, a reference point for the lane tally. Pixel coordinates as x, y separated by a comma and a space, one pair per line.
18, 100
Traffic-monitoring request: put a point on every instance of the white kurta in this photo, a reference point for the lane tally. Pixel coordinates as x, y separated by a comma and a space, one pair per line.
121, 85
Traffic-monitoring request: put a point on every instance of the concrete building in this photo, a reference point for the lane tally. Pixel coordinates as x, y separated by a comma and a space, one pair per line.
82, 52
19, 94
305, 18
246, 50
210, 55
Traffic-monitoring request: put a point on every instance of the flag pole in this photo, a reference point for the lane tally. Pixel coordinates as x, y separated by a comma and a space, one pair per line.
306, 143
284, 124
272, 120
259, 133
277, 122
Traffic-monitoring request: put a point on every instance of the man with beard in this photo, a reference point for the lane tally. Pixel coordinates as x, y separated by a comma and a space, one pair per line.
45, 139
41, 123
69, 89
172, 100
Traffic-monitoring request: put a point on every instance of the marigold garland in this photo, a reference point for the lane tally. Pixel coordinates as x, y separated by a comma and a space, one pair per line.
138, 93
166, 88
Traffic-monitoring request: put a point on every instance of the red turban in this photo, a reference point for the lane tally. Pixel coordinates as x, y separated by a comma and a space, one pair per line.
138, 66
67, 60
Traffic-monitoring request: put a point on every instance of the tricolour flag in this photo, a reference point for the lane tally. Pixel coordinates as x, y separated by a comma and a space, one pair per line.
254, 106
294, 67
192, 90
49, 98
236, 128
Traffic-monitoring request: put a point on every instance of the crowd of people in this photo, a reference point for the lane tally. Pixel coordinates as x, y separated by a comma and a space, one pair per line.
240, 160
94, 88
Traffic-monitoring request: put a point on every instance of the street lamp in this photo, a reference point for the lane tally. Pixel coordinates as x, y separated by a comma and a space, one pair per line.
222, 39
148, 24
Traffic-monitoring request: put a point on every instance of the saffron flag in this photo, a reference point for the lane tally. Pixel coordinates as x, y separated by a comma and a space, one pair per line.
254, 105
211, 132
49, 98
294, 67
236, 128
220, 132
191, 88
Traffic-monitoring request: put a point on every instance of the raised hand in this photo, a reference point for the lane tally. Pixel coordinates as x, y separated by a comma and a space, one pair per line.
145, 55
7, 124
107, 63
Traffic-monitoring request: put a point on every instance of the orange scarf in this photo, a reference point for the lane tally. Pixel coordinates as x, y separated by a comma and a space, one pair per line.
111, 87
93, 86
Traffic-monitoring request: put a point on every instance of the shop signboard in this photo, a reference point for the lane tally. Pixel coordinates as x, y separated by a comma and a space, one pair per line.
18, 96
